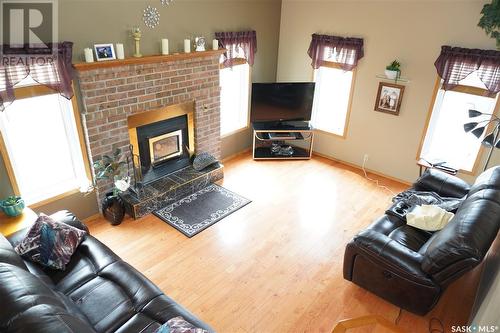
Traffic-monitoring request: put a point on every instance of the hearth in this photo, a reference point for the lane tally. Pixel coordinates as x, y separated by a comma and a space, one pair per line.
161, 140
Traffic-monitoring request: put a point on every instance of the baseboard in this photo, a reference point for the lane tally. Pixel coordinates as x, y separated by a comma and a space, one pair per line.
243, 152
359, 167
92, 217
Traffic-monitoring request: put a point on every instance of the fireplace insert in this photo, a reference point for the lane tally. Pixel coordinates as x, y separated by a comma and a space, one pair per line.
163, 147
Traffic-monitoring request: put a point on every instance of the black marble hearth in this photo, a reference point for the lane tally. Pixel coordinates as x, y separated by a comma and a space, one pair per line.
169, 189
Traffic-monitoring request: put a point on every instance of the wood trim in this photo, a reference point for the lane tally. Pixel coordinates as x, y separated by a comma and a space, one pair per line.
437, 86
243, 152
236, 62
472, 91
81, 136
92, 218
8, 166
462, 89
349, 103
87, 66
331, 64
53, 199
380, 174
236, 131
320, 131
241, 61
33, 91
335, 65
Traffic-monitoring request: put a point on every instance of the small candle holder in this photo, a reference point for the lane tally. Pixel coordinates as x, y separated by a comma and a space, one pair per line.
137, 34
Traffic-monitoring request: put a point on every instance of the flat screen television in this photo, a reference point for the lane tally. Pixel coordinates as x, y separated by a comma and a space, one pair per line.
281, 102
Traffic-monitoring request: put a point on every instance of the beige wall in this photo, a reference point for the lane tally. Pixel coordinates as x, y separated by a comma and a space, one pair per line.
411, 31
182, 19
89, 22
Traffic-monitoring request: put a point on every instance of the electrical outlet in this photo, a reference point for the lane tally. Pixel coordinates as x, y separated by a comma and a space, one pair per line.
365, 158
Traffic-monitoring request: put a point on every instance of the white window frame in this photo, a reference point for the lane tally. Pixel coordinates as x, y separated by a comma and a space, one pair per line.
246, 106
435, 107
338, 66
72, 123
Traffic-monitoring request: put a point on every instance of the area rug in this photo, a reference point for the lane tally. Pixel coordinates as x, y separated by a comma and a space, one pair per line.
196, 212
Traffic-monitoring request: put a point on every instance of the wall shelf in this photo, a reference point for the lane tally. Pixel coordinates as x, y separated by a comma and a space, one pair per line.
87, 66
400, 79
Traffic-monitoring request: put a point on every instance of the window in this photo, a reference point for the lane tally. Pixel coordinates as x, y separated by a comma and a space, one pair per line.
235, 85
42, 145
445, 138
332, 98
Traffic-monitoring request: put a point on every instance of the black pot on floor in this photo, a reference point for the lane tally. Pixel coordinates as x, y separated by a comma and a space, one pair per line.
113, 208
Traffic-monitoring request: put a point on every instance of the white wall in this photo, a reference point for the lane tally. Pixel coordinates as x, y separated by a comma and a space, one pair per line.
412, 32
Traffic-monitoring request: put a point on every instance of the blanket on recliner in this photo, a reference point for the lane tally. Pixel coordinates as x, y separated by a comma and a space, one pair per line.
413, 198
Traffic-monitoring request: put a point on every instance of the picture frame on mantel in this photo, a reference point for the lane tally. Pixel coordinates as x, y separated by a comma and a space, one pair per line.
389, 98
104, 52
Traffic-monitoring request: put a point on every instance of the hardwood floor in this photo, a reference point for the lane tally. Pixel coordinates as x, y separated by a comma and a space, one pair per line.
276, 264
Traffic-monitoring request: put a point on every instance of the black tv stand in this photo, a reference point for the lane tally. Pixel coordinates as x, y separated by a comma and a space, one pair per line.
273, 141
285, 126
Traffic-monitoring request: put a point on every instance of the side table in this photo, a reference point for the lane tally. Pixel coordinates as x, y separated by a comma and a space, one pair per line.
424, 165
9, 225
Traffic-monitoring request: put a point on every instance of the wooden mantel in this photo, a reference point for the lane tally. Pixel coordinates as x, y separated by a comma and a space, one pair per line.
87, 66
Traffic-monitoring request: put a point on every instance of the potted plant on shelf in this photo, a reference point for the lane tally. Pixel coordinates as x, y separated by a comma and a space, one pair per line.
12, 206
113, 168
393, 71
490, 21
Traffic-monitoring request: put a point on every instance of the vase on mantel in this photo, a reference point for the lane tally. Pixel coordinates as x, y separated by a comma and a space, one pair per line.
113, 208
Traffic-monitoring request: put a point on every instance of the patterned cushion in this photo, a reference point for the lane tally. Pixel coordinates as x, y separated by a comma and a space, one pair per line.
203, 160
50, 243
179, 325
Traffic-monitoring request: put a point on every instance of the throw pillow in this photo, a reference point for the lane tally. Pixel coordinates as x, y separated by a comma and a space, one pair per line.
428, 217
203, 160
179, 325
50, 243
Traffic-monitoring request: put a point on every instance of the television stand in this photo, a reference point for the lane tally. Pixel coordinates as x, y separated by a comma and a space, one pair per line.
281, 143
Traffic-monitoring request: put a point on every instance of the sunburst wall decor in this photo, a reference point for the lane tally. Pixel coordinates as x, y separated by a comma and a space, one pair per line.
151, 17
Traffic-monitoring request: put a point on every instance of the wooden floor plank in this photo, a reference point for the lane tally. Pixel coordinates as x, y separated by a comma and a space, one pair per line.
276, 264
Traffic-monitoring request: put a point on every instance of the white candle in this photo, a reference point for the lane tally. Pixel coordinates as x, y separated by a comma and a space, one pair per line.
187, 45
89, 56
120, 53
164, 46
215, 44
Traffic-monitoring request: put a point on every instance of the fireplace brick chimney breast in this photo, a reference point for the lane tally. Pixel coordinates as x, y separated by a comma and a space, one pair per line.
110, 94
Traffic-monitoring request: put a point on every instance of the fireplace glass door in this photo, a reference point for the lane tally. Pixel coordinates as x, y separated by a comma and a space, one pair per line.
165, 147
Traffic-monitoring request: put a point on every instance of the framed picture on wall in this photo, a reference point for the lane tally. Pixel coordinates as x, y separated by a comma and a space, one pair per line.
104, 52
389, 98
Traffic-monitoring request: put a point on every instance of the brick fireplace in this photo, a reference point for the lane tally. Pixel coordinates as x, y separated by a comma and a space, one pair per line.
118, 92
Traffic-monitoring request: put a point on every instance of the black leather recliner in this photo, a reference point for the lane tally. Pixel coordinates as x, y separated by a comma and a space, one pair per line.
410, 267
98, 292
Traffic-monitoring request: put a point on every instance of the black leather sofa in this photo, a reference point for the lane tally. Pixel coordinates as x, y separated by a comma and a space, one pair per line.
410, 267
98, 292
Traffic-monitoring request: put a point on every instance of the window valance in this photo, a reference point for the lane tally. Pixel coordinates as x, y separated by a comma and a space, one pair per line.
343, 50
240, 44
456, 63
53, 70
